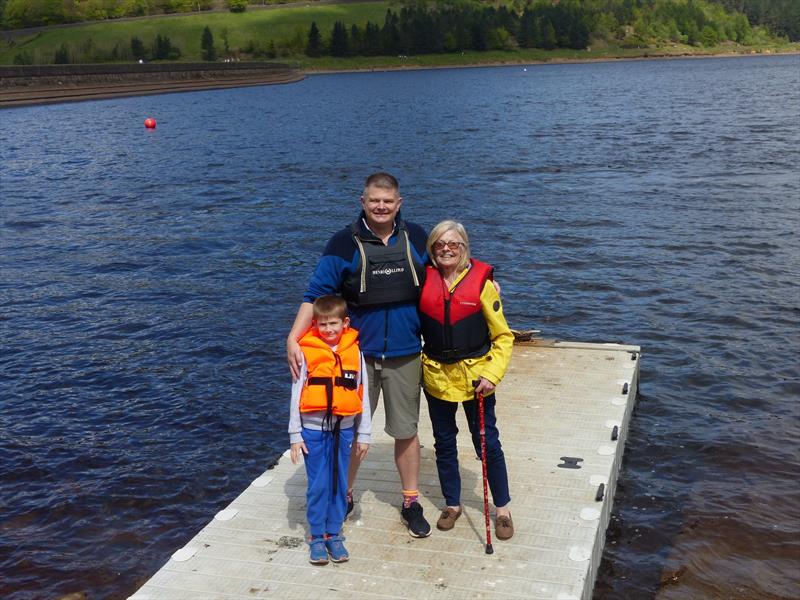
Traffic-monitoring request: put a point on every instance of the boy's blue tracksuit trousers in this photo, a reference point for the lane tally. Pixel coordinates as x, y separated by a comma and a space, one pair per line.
325, 510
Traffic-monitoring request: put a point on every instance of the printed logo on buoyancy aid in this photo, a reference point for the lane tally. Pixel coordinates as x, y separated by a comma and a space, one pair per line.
385, 274
332, 375
388, 271
453, 325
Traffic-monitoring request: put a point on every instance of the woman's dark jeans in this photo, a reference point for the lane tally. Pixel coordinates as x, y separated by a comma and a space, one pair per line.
445, 430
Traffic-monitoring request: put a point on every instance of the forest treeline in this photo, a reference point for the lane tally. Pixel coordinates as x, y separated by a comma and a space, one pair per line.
779, 16
421, 29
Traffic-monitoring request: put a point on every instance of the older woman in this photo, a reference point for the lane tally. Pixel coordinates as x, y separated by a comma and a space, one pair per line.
467, 340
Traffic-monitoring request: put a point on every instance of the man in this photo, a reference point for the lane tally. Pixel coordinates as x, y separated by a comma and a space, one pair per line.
377, 265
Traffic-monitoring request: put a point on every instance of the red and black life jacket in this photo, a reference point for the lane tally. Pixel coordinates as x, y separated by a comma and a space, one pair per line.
453, 325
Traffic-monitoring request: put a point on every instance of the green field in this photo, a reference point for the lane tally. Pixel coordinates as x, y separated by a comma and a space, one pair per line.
287, 27
259, 26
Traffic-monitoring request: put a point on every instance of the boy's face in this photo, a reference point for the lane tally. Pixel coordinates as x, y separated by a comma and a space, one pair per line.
330, 328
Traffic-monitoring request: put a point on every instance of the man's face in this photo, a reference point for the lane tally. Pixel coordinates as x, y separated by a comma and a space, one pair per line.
330, 328
380, 205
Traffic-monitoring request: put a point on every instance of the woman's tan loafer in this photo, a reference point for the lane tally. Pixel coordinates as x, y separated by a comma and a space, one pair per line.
504, 528
448, 519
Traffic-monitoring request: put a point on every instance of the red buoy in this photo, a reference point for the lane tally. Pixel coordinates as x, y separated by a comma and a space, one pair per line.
150, 123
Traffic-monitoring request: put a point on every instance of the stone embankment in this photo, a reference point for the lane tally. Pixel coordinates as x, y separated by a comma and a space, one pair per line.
45, 84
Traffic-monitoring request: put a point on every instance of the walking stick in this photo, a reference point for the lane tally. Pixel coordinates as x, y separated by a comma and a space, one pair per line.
489, 549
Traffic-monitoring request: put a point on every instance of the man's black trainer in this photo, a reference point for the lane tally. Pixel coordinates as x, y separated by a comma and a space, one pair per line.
418, 527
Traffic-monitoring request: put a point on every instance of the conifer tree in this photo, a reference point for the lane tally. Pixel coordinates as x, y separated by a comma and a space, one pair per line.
339, 42
356, 45
137, 48
526, 35
372, 39
314, 46
207, 45
61, 56
391, 34
548, 34
163, 48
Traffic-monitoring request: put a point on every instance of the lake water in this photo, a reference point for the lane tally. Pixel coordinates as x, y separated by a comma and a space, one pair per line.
149, 279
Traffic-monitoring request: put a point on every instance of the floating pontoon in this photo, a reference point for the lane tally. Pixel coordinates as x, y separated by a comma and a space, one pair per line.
563, 412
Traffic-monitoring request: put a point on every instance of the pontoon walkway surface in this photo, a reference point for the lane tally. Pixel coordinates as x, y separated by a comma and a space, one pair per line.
563, 411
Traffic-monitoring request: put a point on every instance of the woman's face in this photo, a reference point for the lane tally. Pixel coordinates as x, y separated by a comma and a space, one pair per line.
448, 250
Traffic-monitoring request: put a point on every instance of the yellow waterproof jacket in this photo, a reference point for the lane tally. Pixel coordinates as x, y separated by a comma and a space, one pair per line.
453, 381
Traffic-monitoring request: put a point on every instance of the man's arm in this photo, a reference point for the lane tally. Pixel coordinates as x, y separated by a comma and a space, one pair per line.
301, 324
327, 278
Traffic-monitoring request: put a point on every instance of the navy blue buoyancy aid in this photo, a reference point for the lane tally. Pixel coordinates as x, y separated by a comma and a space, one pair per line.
385, 274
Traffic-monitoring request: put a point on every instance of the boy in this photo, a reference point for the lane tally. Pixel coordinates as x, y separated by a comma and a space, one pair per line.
327, 407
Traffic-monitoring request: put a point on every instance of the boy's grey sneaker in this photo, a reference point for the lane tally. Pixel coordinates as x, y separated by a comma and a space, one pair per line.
418, 527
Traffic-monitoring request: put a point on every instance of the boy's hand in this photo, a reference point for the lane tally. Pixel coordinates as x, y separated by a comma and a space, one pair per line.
296, 450
361, 450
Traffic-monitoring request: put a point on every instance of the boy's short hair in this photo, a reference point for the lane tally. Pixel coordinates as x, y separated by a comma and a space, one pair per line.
330, 306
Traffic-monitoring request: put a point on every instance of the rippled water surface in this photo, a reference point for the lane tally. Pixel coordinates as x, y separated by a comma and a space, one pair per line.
149, 279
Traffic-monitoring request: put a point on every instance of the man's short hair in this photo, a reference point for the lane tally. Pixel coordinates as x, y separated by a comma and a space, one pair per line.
382, 180
330, 306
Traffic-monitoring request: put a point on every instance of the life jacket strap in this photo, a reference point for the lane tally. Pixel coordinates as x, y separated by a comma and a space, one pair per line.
328, 383
337, 429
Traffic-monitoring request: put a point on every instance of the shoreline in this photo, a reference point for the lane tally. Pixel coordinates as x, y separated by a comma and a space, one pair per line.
52, 89
552, 61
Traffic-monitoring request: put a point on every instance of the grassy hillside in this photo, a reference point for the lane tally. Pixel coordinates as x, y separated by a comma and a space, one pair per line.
257, 27
282, 33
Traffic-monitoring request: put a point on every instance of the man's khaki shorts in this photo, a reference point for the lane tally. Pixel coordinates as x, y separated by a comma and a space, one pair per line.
399, 379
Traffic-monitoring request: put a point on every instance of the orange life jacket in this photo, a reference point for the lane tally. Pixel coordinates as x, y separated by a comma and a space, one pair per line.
332, 375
